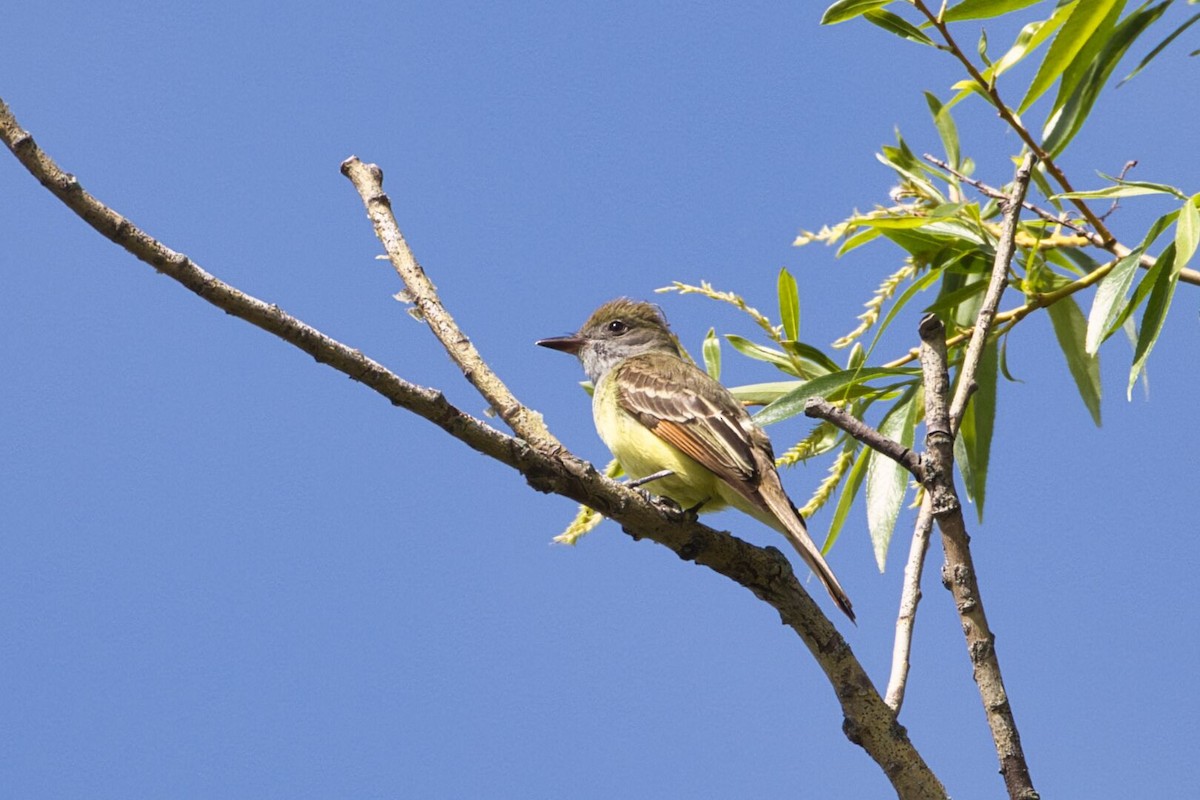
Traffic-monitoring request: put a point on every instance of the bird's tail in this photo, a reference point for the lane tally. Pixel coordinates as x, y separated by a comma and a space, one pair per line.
789, 522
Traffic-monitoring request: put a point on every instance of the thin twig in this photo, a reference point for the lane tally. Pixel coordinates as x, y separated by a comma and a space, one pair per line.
1005, 249
368, 180
821, 408
910, 597
764, 571
1186, 275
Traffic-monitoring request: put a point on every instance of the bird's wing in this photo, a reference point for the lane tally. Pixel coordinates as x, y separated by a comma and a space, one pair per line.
686, 408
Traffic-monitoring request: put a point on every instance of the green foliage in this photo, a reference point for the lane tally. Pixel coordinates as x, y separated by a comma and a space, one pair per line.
973, 447
942, 230
789, 305
1070, 328
711, 351
887, 481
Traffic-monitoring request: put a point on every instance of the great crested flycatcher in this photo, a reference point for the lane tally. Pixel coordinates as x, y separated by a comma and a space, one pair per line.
662, 416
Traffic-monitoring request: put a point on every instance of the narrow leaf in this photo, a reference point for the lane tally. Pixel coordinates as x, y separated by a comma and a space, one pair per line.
1083, 60
1081, 84
849, 492
760, 394
922, 283
1109, 301
711, 350
1070, 328
843, 10
1160, 47
812, 358
984, 9
1187, 233
897, 25
978, 424
789, 305
857, 240
1029, 40
1161, 294
887, 481
1084, 19
792, 403
1124, 189
761, 353
945, 128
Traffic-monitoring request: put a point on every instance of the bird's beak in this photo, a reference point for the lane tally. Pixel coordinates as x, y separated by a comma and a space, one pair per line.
567, 344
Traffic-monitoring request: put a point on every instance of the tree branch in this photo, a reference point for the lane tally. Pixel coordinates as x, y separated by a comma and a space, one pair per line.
910, 598
958, 573
1005, 249
821, 408
368, 180
868, 721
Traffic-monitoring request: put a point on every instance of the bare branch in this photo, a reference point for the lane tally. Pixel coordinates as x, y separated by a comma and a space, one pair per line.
958, 573
764, 571
910, 597
368, 180
821, 408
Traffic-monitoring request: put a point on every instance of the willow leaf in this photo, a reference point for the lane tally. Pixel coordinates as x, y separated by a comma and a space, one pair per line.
1070, 328
887, 481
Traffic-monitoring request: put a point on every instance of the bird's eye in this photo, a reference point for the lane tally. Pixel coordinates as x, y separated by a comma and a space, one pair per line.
617, 326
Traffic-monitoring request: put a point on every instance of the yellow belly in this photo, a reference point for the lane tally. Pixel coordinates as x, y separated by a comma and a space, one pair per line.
641, 453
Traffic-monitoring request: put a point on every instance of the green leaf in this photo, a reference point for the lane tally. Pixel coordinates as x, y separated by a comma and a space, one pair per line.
897, 25
1187, 233
1084, 83
759, 352
760, 394
793, 402
1004, 370
974, 440
1161, 294
844, 10
1070, 329
1084, 19
1084, 59
1125, 189
887, 481
812, 357
898, 222
1029, 40
945, 304
858, 240
1109, 300
849, 491
945, 128
922, 283
1160, 47
984, 9
789, 305
711, 350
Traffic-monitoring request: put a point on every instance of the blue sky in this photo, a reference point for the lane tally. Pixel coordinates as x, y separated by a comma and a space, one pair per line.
227, 571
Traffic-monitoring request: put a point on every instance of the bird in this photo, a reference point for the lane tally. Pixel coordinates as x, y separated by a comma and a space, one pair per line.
678, 431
